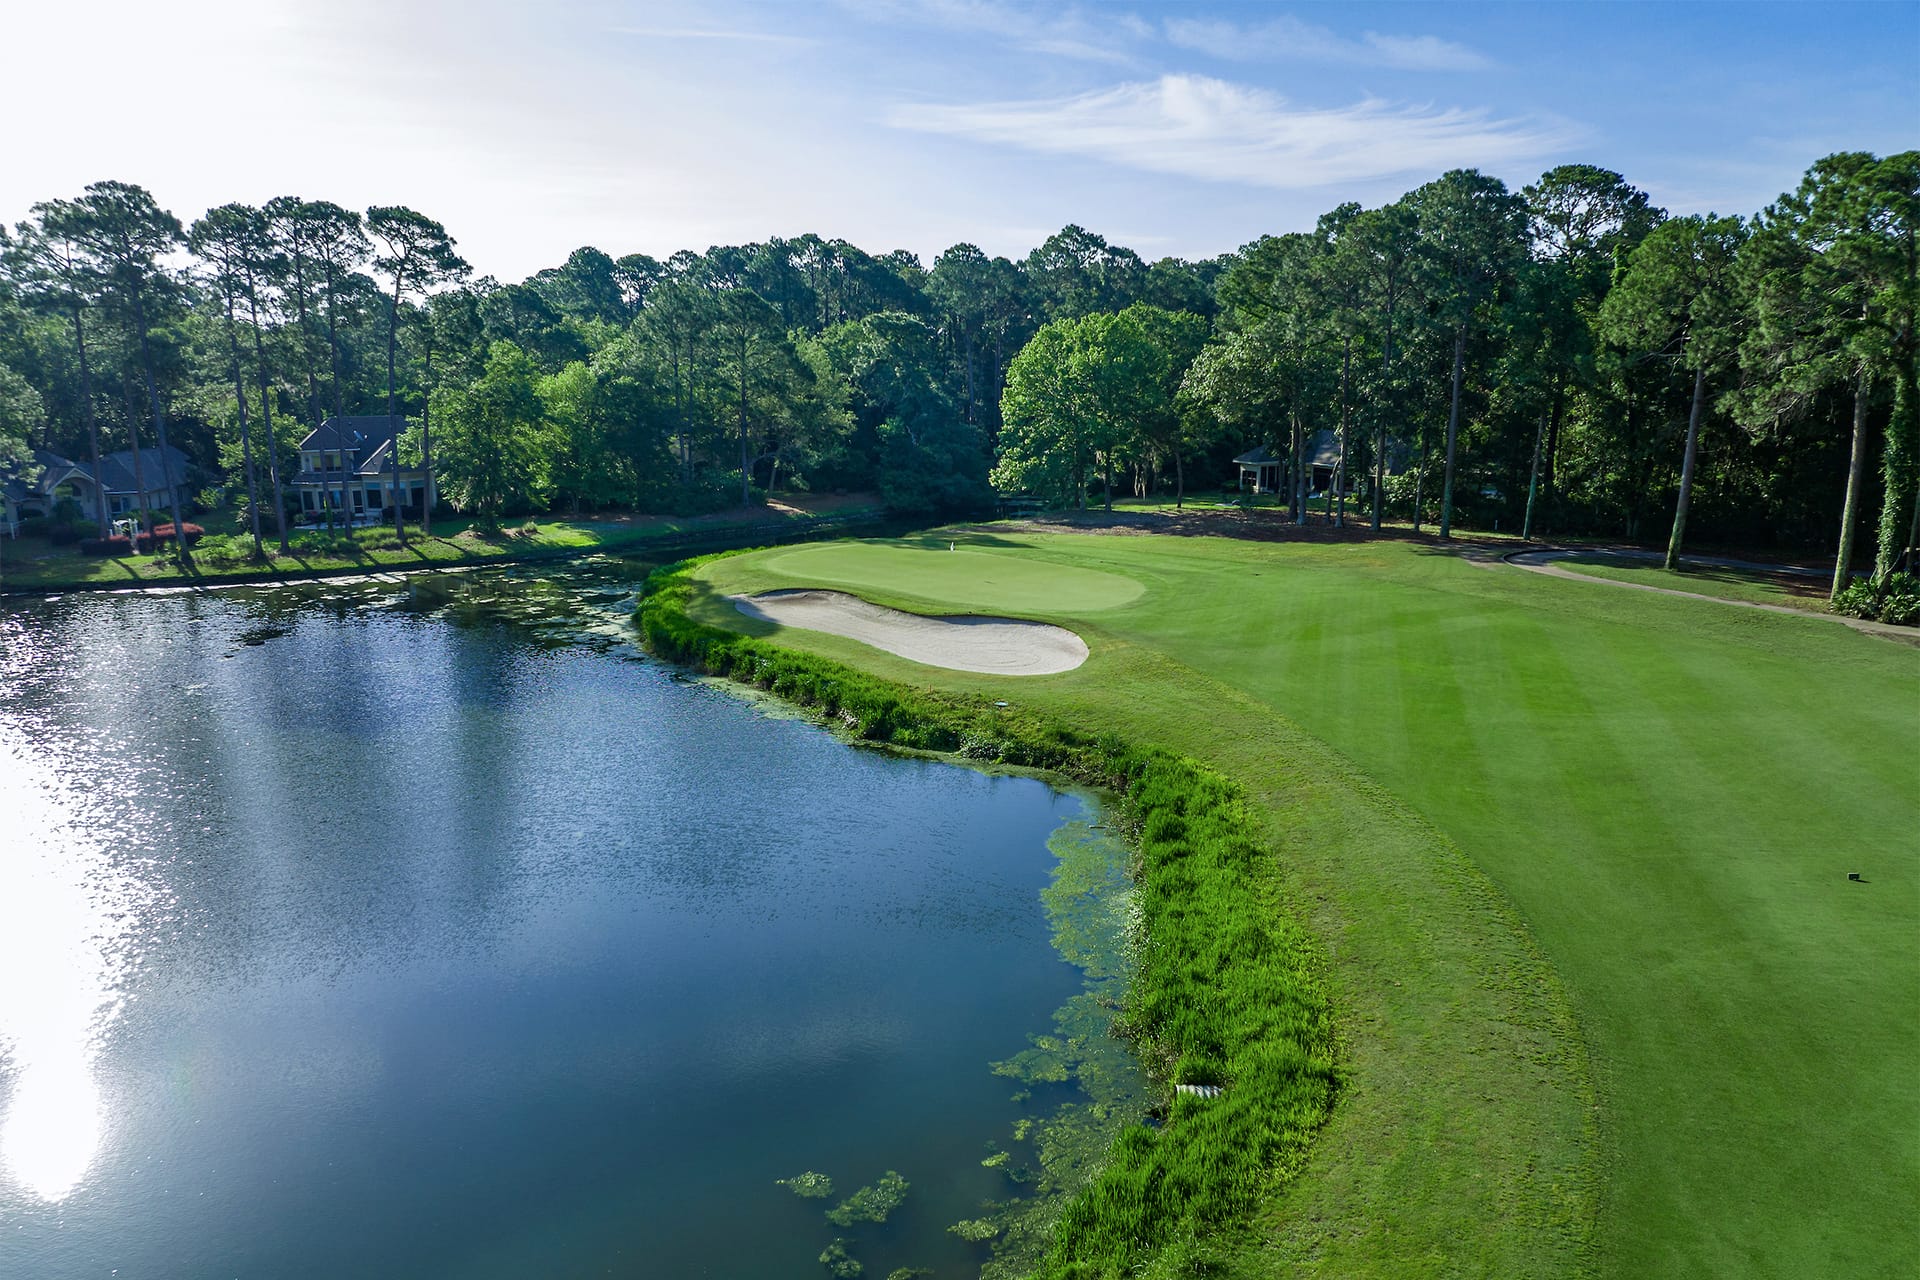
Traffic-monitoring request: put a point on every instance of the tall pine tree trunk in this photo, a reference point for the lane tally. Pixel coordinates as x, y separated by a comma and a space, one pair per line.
1300, 469
1420, 484
1548, 468
160, 433
1380, 437
1533, 477
143, 519
1856, 475
1453, 431
1346, 408
339, 405
246, 435
393, 419
1686, 467
101, 515
266, 422
426, 441
746, 461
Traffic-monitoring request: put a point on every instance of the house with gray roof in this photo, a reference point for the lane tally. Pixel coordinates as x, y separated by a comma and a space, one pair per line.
138, 482
1264, 471
356, 452
126, 483
36, 484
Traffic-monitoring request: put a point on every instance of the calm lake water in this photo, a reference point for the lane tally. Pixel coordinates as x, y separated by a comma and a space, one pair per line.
427, 930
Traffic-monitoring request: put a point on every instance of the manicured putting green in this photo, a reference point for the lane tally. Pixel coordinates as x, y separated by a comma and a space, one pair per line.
972, 577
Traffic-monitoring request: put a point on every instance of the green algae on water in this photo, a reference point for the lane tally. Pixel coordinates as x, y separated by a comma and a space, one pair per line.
1090, 909
839, 1263
808, 1185
870, 1204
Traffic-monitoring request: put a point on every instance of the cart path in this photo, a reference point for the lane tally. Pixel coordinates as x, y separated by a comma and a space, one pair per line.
1541, 561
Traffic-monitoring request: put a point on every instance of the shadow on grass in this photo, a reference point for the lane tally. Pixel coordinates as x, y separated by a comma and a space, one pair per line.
1265, 524
1785, 583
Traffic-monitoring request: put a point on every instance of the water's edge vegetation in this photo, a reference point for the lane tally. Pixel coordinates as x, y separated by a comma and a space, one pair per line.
1227, 990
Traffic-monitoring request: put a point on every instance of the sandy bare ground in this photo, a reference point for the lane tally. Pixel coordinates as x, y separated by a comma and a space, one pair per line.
995, 646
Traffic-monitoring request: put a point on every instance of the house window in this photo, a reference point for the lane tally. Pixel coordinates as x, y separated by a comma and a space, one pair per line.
373, 499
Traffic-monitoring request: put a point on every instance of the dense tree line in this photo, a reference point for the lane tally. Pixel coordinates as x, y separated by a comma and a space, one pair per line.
687, 384
1564, 358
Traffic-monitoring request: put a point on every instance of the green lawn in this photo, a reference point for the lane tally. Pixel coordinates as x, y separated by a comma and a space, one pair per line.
1578, 859
971, 573
225, 552
1756, 586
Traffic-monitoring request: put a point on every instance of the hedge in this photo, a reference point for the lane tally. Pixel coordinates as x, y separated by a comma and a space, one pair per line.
120, 544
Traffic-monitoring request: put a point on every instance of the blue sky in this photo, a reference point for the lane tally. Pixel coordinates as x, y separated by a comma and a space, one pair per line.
1177, 128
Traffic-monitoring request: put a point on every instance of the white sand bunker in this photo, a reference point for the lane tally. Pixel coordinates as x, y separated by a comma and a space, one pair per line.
995, 646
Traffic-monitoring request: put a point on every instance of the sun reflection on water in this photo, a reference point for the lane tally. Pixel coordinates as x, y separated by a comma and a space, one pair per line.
65, 916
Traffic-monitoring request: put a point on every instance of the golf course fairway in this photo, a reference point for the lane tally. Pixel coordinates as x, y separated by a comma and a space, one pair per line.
1578, 858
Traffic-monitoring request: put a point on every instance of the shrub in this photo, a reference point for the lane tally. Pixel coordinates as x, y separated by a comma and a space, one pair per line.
226, 549
164, 533
65, 533
1894, 598
119, 544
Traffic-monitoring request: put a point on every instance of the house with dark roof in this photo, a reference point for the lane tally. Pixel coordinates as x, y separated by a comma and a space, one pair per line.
126, 483
138, 482
1264, 471
36, 484
356, 453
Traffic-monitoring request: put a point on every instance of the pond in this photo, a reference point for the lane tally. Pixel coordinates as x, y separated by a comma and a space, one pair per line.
426, 929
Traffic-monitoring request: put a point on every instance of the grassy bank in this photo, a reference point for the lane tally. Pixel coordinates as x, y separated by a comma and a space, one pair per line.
1225, 990
225, 554
1564, 847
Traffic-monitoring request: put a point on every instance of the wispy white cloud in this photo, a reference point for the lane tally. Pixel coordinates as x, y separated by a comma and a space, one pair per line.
1200, 127
710, 33
1289, 38
1069, 33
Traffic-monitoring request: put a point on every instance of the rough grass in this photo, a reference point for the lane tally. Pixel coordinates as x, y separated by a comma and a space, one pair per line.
1670, 792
